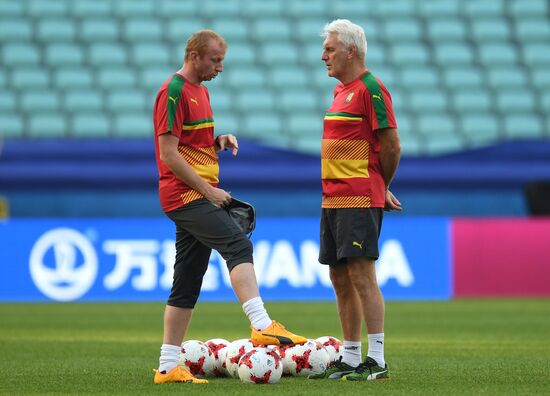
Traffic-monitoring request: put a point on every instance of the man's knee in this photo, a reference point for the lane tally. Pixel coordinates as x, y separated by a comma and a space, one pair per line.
240, 252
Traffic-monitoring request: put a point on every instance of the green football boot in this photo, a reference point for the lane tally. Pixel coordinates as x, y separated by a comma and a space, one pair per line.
367, 371
336, 371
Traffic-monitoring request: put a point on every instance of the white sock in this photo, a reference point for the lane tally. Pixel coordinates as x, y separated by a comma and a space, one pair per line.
376, 348
256, 313
352, 353
169, 357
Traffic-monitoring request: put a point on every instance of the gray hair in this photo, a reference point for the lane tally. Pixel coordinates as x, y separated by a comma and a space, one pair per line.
348, 33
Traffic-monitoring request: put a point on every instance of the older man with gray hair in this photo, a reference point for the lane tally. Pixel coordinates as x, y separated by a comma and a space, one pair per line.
360, 155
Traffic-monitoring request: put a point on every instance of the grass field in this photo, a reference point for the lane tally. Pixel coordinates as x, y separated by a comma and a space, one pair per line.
466, 347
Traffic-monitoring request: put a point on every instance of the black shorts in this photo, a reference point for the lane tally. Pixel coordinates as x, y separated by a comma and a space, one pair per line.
201, 227
349, 232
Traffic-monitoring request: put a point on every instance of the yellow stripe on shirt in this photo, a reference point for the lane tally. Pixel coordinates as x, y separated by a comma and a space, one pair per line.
344, 169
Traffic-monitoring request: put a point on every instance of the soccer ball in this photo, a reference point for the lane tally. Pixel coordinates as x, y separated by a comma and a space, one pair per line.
284, 351
197, 358
309, 358
260, 366
333, 346
216, 345
234, 352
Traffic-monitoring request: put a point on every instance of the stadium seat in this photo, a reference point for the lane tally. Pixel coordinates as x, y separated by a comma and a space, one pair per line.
411, 142
55, 29
395, 8
231, 29
540, 77
14, 29
375, 55
126, 100
99, 29
220, 99
310, 29
348, 9
132, 125
261, 125
509, 77
299, 8
304, 124
43, 101
440, 133
251, 101
254, 9
64, 55
90, 125
9, 9
7, 102
245, 77
177, 9
272, 29
515, 101
142, 29
536, 53
11, 125
480, 128
427, 100
149, 54
72, 77
448, 29
523, 8
295, 99
28, 78
498, 54
91, 8
132, 8
180, 30
152, 77
420, 77
434, 9
227, 122
475, 8
523, 126
474, 99
47, 125
116, 77
453, 54
533, 29
493, 29
290, 76
238, 54
278, 53
462, 77
402, 29
20, 54
82, 101
41, 9
105, 54
215, 8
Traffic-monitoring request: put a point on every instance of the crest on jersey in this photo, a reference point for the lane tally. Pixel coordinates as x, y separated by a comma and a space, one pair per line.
350, 95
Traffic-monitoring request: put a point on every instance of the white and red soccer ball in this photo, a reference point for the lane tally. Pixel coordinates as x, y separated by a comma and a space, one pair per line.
309, 358
218, 346
196, 357
235, 351
334, 348
260, 366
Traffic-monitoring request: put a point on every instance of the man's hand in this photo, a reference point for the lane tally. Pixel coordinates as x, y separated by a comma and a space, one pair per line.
391, 202
218, 197
223, 142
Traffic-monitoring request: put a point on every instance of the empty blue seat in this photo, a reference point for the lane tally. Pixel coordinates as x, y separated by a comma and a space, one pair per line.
494, 29
265, 8
72, 77
227, 122
254, 100
471, 100
299, 8
304, 124
272, 29
132, 8
177, 8
231, 29
279, 53
261, 125
498, 54
7, 102
99, 29
463, 77
64, 55
244, 77
91, 8
407, 54
480, 128
402, 30
132, 125
145, 29
453, 54
42, 101
20, 54
540, 76
47, 125
126, 100
152, 77
536, 53
82, 101
522, 8
90, 125
9, 9
515, 101
240, 54
286, 77
117, 77
427, 100
509, 77
432, 9
150, 53
14, 29
220, 99
41, 9
440, 133
522, 126
448, 29
475, 8
309, 30
395, 8
11, 125
29, 78
533, 29
55, 29
105, 54
349, 8
179, 31
216, 8
419, 77
296, 99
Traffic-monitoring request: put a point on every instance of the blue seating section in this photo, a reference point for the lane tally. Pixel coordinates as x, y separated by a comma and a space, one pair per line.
462, 73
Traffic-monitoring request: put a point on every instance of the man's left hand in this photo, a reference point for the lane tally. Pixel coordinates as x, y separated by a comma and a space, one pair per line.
225, 142
392, 203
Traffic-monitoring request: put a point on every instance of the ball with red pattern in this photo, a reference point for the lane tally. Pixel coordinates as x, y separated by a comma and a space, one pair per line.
333, 346
234, 352
283, 351
197, 358
260, 366
216, 345
309, 358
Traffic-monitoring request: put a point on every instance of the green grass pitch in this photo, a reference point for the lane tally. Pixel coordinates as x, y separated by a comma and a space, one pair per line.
460, 347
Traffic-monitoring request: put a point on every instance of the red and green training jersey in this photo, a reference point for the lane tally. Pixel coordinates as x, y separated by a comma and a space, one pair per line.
183, 110
350, 171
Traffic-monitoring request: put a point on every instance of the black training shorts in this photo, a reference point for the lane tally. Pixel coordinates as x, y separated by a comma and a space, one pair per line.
349, 232
201, 227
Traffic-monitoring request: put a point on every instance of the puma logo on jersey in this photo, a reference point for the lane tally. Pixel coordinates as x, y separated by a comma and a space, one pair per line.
359, 245
379, 97
194, 101
173, 99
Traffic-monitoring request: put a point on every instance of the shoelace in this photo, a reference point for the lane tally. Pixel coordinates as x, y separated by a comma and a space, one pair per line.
366, 365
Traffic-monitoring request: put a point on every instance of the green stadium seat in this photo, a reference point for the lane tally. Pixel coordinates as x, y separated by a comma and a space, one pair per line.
7, 102
144, 29
91, 8
245, 77
254, 100
522, 8
437, 8
240, 54
402, 29
304, 124
72, 78
480, 128
41, 8
453, 54
14, 29
498, 54
273, 29
265, 8
407, 54
290, 76
462, 77
107, 54
396, 8
419, 77
64, 55
509, 77
29, 78
231, 29
448, 29
474, 99
300, 8
494, 29
216, 8
126, 100
11, 125
177, 8
55, 29
82, 101
427, 100
132, 8
475, 8
279, 53
90, 125
9, 9
99, 29
149, 54
296, 99
47, 125
151, 78
116, 77
533, 29
132, 125
180, 30
536, 53
515, 101
227, 122
523, 126
20, 54
43, 101
262, 125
